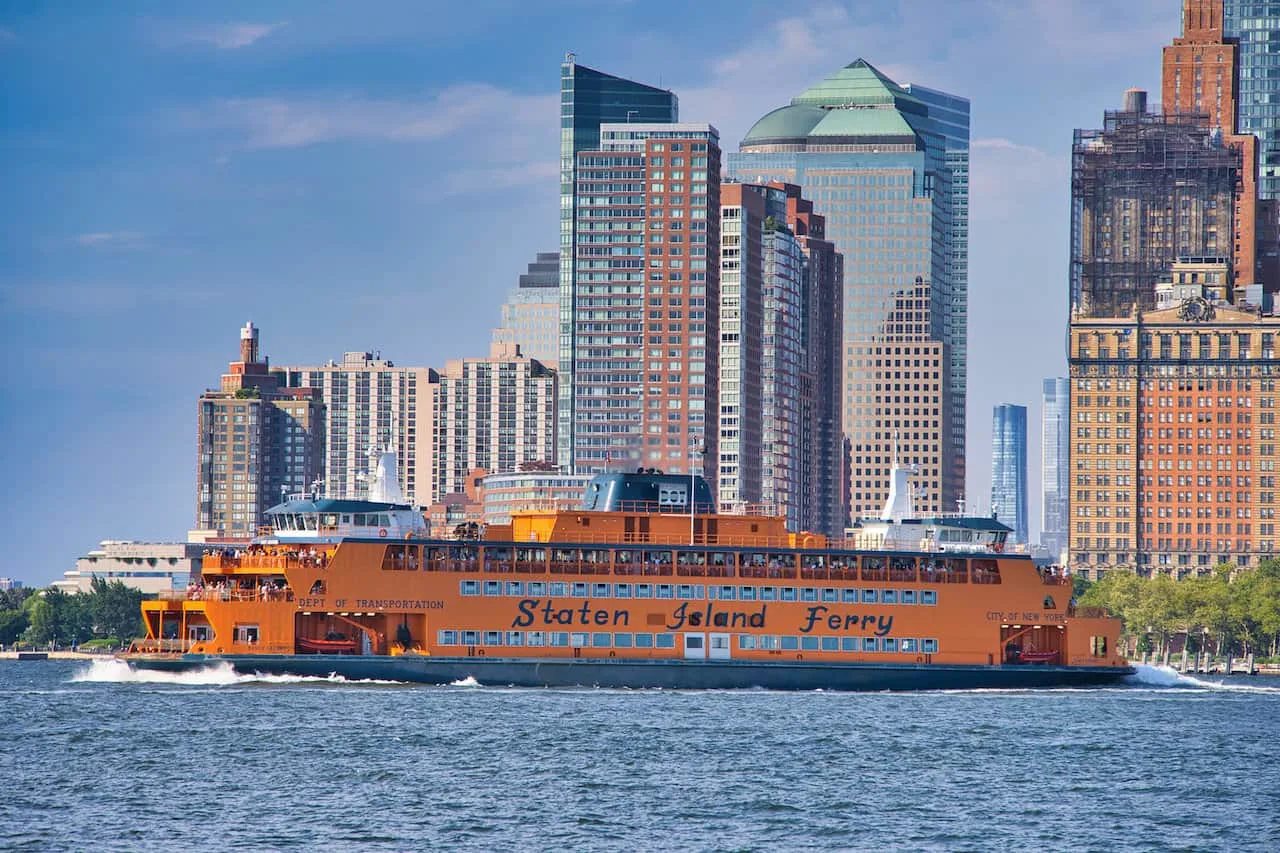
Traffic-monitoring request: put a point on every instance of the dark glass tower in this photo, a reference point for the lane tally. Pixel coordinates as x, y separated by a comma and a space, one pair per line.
1256, 23
589, 98
1009, 468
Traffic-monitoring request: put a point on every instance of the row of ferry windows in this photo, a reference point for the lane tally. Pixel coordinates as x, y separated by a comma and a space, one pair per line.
697, 591
667, 640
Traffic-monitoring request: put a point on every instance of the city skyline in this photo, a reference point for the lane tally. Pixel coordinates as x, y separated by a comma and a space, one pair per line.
249, 174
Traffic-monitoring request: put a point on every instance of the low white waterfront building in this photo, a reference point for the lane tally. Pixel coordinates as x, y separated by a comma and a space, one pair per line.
151, 567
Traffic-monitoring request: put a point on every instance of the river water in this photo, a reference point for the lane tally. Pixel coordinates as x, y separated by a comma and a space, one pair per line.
94, 757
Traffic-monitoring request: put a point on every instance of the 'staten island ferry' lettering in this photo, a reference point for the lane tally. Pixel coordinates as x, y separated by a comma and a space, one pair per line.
642, 586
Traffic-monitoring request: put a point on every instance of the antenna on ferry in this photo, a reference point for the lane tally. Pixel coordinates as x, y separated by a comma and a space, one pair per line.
315, 488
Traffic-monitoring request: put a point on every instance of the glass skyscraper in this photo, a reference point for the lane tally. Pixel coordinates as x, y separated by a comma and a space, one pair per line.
589, 98
880, 161
1055, 473
1256, 23
1009, 468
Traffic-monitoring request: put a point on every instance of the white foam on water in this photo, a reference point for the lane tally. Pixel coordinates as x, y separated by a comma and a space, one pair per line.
116, 671
1167, 676
469, 681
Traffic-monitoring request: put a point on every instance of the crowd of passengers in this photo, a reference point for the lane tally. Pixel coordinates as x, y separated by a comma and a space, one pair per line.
238, 590
306, 556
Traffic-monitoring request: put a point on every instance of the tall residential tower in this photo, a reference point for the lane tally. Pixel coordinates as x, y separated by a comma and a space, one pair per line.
1009, 468
1055, 445
588, 99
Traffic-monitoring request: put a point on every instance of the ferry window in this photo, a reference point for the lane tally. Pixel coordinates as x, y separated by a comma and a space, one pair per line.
470, 587
558, 638
559, 588
870, 644
470, 638
358, 520
622, 641
808, 593
928, 596
537, 638
657, 558
769, 593
578, 589
911, 646
726, 592
665, 590
600, 590
849, 644
908, 596
692, 641
684, 590
666, 641
768, 641
537, 588
622, 590
788, 593
746, 593
346, 519
578, 639
515, 587
625, 558
830, 594
698, 591
493, 587
644, 641
888, 596
644, 590
809, 644
790, 644
831, 644
930, 647
889, 644
869, 596
515, 638
849, 596
493, 638
448, 638
746, 642
600, 640
719, 641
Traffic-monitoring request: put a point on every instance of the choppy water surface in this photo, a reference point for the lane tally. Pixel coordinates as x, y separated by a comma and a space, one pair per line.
94, 757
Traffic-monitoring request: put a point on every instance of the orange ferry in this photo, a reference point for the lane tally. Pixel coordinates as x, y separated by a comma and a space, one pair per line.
643, 586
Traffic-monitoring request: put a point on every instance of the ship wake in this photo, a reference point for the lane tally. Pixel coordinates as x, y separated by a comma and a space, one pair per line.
1168, 677
216, 675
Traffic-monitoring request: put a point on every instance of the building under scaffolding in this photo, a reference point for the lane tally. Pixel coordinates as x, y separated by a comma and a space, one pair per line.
1145, 190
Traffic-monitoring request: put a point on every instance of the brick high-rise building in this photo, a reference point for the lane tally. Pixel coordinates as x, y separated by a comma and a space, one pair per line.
589, 99
1200, 77
644, 306
1173, 446
257, 441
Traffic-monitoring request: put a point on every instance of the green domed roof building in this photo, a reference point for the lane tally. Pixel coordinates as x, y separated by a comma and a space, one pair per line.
888, 165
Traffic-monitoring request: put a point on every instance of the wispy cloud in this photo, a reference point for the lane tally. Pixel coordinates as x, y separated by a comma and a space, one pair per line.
111, 240
229, 36
297, 122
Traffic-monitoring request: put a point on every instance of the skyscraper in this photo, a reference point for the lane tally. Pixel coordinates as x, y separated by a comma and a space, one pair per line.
1254, 24
1199, 77
873, 158
588, 99
531, 314
1009, 468
371, 405
645, 300
256, 442
1055, 445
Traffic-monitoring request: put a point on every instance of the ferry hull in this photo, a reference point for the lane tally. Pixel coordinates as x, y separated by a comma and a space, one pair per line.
668, 674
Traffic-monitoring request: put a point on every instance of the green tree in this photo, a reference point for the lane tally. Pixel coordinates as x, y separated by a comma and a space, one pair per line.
12, 624
116, 610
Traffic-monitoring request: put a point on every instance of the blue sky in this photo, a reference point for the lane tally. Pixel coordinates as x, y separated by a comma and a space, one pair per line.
375, 176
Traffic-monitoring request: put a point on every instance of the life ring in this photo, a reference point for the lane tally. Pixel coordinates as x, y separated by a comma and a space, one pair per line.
409, 535
382, 531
